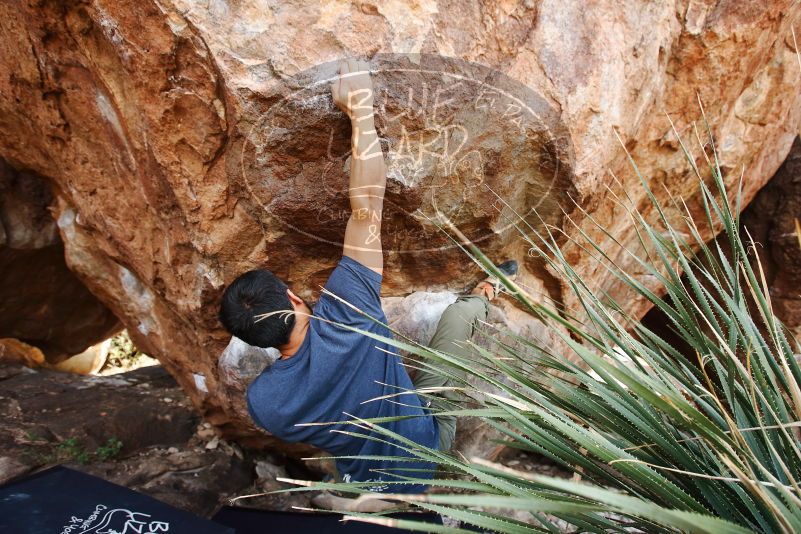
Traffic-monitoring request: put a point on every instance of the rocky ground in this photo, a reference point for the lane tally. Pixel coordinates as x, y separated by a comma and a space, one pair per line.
138, 429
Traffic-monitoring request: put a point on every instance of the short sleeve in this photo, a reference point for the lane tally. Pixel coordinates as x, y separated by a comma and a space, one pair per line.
356, 284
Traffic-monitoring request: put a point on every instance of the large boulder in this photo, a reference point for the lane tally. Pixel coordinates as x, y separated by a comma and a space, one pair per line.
189, 142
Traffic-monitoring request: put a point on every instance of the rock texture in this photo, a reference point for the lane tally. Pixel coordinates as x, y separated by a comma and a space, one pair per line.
188, 142
42, 408
53, 418
42, 302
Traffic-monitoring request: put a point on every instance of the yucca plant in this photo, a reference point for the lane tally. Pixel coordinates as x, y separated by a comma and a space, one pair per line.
704, 440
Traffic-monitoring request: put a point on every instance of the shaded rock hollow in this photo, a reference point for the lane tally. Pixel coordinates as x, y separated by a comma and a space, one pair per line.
772, 220
41, 301
190, 142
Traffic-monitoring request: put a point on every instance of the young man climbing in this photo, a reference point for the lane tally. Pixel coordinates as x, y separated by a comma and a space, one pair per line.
327, 373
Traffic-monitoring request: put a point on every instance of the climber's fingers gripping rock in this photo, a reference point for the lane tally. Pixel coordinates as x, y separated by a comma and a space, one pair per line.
352, 89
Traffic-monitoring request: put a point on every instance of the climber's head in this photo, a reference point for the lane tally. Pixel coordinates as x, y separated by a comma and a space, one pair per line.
256, 293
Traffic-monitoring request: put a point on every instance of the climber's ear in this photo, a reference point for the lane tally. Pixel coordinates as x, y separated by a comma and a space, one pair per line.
294, 299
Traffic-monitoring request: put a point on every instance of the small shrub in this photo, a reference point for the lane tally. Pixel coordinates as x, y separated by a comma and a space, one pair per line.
72, 450
109, 450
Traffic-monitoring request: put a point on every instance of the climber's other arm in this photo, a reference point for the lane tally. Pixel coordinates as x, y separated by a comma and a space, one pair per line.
353, 94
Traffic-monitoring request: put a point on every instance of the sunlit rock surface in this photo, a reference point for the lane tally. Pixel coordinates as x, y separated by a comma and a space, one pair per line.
191, 141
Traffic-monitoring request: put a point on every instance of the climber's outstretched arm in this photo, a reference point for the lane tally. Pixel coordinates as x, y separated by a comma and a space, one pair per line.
353, 93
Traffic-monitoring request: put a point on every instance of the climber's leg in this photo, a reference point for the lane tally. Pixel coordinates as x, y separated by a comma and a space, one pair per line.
456, 326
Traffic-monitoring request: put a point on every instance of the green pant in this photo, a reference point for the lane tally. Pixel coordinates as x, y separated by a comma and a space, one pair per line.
456, 326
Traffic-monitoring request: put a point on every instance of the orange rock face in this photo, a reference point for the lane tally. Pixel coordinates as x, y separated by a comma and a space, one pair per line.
190, 142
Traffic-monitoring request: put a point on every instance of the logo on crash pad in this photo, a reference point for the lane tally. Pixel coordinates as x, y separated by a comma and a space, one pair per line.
464, 145
115, 521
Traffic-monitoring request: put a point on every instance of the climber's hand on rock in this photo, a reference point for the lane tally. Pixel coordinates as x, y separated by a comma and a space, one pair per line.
353, 89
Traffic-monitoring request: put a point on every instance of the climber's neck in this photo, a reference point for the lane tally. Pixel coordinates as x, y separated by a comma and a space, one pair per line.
298, 333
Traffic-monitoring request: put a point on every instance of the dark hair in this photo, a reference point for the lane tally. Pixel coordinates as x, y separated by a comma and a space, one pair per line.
255, 293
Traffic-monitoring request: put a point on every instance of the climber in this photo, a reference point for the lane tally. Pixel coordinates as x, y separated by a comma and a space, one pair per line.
330, 374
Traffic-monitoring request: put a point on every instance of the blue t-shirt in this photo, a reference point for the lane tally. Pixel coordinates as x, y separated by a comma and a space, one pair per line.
333, 372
